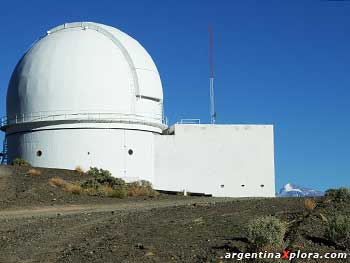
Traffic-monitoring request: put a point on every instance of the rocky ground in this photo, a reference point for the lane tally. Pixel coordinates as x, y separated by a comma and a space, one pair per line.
42, 223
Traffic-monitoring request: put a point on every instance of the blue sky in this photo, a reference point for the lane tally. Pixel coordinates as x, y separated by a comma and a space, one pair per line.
276, 62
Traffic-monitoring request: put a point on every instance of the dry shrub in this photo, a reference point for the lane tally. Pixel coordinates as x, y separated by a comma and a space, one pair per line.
141, 191
34, 172
90, 191
79, 170
57, 181
20, 162
310, 204
103, 183
106, 190
119, 193
266, 232
73, 188
141, 188
102, 177
338, 230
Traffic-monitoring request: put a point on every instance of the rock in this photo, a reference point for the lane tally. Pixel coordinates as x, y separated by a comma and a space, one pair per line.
149, 254
323, 217
140, 246
198, 220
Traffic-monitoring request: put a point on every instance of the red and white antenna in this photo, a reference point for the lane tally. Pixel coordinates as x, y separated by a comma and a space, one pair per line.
211, 77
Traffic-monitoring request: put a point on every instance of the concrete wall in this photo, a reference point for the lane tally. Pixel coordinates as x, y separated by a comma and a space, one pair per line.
222, 160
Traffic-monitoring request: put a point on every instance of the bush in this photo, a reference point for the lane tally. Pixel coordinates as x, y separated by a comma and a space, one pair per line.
103, 177
110, 192
79, 170
104, 184
339, 195
141, 188
266, 232
118, 193
310, 204
99, 173
73, 188
67, 187
105, 191
57, 181
338, 230
34, 172
20, 162
90, 184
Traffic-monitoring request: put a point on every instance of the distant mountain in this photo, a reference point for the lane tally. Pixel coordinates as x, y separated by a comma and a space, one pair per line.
291, 190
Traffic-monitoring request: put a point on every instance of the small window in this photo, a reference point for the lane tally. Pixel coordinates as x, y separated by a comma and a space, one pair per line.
88, 153
222, 186
243, 185
130, 152
39, 153
262, 185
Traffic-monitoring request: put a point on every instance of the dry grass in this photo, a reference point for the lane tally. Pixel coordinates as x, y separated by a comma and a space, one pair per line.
20, 162
108, 191
34, 172
116, 190
90, 191
138, 190
79, 170
310, 204
105, 190
57, 181
73, 188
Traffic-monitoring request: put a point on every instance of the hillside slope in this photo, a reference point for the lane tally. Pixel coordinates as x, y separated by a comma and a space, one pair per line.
41, 223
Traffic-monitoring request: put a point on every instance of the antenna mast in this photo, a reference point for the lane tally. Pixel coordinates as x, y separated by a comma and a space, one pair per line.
211, 78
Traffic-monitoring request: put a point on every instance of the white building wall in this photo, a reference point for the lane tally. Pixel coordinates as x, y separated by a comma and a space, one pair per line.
222, 160
102, 148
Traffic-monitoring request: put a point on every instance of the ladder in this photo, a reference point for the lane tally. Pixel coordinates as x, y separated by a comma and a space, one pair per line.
4, 152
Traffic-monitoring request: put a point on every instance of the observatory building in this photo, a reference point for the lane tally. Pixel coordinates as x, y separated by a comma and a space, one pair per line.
89, 95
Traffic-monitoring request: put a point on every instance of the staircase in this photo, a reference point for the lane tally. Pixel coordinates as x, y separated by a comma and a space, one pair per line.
4, 152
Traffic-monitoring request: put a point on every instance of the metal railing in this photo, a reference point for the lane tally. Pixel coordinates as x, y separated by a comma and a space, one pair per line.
189, 121
4, 155
148, 119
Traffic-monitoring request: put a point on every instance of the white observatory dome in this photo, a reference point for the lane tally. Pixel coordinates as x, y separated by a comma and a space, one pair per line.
88, 72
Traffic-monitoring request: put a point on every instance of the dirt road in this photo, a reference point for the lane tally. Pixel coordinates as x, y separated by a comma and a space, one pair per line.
129, 206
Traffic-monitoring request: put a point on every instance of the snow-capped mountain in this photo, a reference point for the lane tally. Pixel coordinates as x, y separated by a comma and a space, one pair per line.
291, 190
